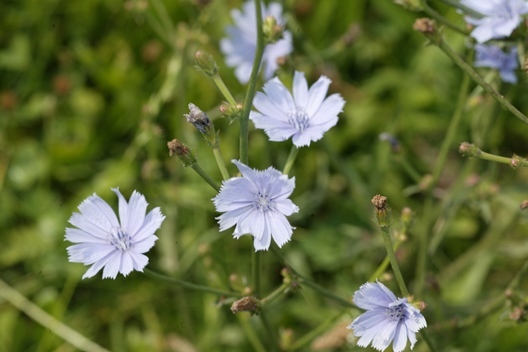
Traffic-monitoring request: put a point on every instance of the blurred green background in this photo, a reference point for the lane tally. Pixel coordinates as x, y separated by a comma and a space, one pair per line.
91, 91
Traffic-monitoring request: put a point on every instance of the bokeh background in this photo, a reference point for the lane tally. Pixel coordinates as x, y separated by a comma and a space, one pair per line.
91, 91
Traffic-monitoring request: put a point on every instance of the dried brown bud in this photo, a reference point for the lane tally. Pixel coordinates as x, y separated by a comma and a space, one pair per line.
379, 201
246, 304
425, 25
524, 204
182, 152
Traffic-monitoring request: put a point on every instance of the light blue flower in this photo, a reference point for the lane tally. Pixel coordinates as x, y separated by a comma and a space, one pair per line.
492, 56
387, 318
499, 17
305, 116
240, 47
257, 203
103, 241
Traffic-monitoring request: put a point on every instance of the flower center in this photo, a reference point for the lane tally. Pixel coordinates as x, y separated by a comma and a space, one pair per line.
262, 202
395, 313
120, 239
298, 118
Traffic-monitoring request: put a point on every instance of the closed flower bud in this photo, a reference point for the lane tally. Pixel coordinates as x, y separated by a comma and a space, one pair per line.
246, 304
272, 30
469, 150
182, 152
205, 63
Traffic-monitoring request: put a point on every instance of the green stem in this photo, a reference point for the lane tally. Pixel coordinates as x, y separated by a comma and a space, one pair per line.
451, 130
46, 320
301, 342
255, 265
496, 158
438, 40
272, 338
423, 238
383, 266
311, 284
251, 335
205, 176
394, 262
291, 159
252, 87
186, 284
221, 163
428, 340
275, 294
223, 89
429, 10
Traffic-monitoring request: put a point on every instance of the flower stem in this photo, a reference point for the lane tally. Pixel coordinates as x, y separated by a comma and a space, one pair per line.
394, 262
423, 237
429, 11
223, 89
252, 87
326, 325
428, 340
221, 163
275, 294
46, 320
291, 159
439, 41
186, 284
383, 266
205, 176
255, 265
250, 333
311, 284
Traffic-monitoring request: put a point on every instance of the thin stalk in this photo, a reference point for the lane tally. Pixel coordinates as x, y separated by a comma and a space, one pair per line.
250, 333
429, 10
394, 262
46, 320
439, 41
451, 130
186, 284
291, 159
311, 284
496, 158
275, 294
303, 341
252, 87
383, 266
273, 339
205, 176
255, 265
428, 340
223, 89
220, 162
421, 265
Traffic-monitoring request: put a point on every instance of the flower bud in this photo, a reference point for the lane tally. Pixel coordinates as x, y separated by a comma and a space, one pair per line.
425, 25
182, 152
382, 211
469, 150
231, 112
205, 63
246, 304
273, 31
199, 119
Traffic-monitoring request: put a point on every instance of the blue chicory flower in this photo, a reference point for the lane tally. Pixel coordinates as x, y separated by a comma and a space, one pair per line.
492, 56
499, 17
101, 240
305, 116
241, 45
257, 203
387, 318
